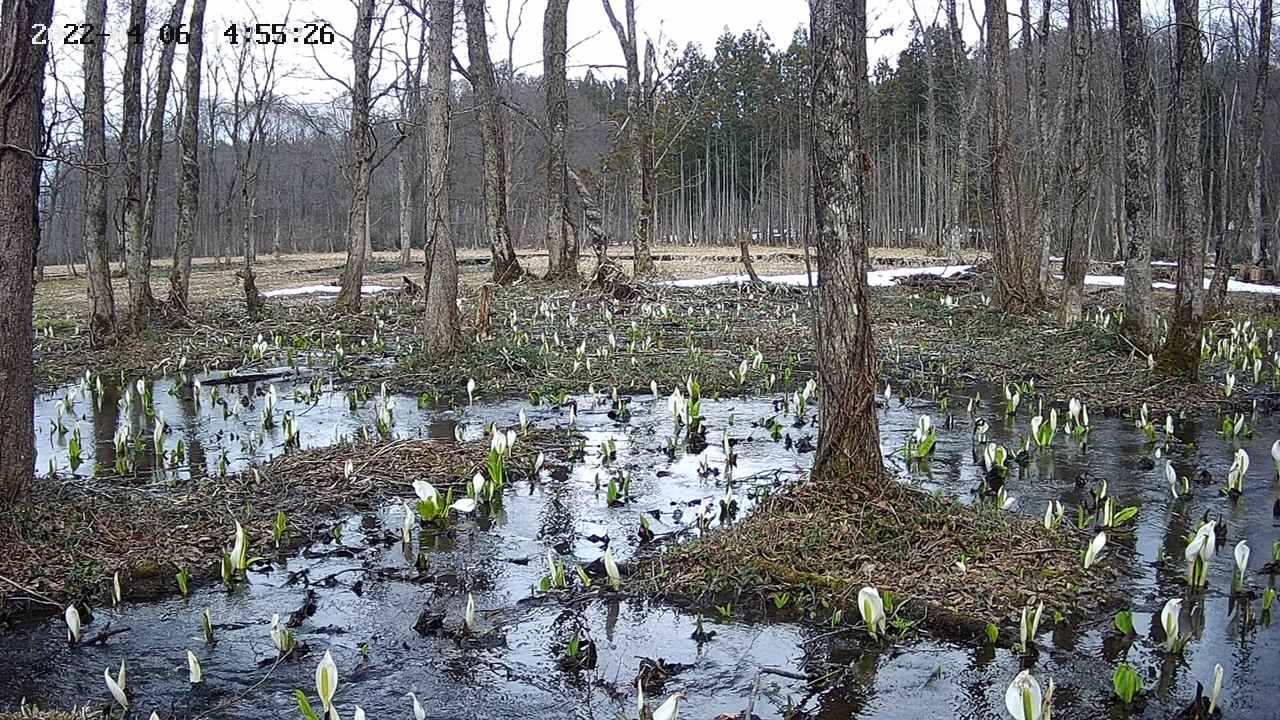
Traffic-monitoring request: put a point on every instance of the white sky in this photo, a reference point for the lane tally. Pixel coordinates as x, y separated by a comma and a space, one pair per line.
591, 38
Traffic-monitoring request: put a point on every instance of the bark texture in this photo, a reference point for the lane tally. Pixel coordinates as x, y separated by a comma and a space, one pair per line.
21, 140
155, 132
849, 442
137, 255
360, 142
635, 129
441, 331
102, 305
562, 246
1181, 353
1017, 287
188, 166
506, 268
1076, 257
1138, 171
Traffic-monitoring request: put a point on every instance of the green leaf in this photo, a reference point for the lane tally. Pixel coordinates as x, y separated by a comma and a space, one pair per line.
1126, 683
993, 633
1124, 622
1124, 516
304, 706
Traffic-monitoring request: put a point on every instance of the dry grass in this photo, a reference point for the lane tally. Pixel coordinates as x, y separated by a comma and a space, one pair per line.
68, 539
820, 542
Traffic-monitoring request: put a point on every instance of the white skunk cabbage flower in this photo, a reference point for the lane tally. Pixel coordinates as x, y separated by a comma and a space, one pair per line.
1024, 700
240, 549
871, 607
426, 491
1275, 455
1094, 550
326, 680
406, 525
611, 568
116, 685
670, 709
1216, 693
419, 713
1204, 543
1242, 557
469, 615
1169, 620
359, 713
193, 668
464, 505
471, 390
72, 616
477, 485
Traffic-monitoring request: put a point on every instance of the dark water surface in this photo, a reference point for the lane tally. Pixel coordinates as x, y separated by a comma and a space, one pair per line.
369, 595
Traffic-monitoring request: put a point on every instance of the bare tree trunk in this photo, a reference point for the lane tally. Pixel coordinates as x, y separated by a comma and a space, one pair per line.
1181, 353
562, 254
155, 133
441, 330
361, 156
849, 443
1079, 230
102, 306
189, 166
1138, 216
137, 256
1256, 183
1018, 287
406, 209
634, 131
506, 268
22, 66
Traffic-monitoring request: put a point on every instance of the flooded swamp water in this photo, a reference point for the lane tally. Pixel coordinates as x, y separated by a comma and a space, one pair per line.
391, 620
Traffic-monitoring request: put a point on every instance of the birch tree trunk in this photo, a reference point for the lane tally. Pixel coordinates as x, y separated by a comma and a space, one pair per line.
189, 166
1181, 353
102, 306
441, 330
506, 268
360, 142
137, 257
849, 442
1018, 287
562, 253
1079, 229
22, 66
1138, 211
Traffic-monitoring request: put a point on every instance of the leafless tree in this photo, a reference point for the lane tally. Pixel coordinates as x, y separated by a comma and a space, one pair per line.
1181, 353
102, 308
1138, 211
1076, 258
562, 248
22, 65
155, 127
442, 329
188, 165
635, 128
849, 443
137, 257
361, 148
1017, 269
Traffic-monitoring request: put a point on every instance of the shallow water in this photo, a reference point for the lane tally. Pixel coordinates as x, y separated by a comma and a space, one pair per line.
370, 594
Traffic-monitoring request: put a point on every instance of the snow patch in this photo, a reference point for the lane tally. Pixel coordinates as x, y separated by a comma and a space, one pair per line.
875, 278
321, 290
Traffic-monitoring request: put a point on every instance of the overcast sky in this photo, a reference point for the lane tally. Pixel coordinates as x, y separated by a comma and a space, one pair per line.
591, 38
